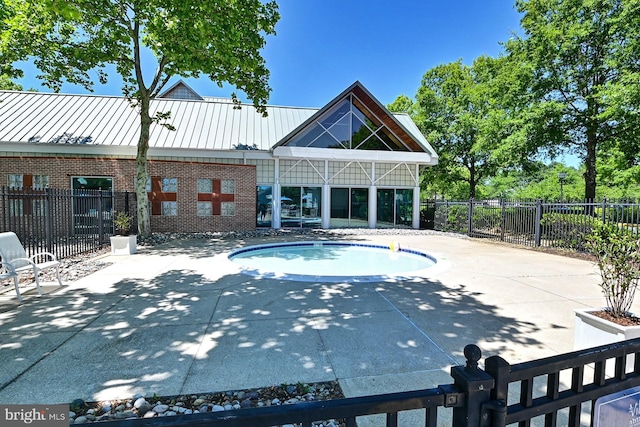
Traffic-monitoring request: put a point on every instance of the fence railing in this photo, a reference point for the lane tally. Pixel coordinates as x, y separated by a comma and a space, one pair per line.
532, 223
558, 390
64, 222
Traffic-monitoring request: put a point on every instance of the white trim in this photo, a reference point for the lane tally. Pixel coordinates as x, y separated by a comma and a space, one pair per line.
129, 151
358, 155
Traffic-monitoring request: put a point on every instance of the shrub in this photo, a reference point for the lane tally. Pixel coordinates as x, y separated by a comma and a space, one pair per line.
568, 230
452, 218
618, 257
122, 222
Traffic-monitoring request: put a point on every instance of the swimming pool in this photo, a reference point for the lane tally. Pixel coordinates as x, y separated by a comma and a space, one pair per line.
332, 261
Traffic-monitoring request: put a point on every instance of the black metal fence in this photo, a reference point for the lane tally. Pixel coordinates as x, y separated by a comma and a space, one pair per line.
558, 390
64, 222
532, 223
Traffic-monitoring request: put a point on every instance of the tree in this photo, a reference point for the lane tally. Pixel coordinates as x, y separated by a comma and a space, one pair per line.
460, 116
584, 57
221, 39
7, 84
402, 104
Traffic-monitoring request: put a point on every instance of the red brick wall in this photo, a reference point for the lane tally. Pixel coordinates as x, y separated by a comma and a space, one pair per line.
61, 169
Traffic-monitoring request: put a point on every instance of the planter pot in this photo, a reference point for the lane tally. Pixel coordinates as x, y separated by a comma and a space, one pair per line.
592, 331
124, 245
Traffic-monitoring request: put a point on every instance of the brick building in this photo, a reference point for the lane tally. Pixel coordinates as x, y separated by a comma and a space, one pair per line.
349, 163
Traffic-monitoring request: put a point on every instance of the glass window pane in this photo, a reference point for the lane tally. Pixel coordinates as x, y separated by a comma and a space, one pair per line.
90, 183
40, 182
311, 207
336, 114
368, 118
170, 208
38, 207
391, 141
290, 206
15, 181
373, 143
228, 209
404, 207
385, 207
15, 207
327, 141
205, 209
264, 206
170, 185
308, 137
359, 206
228, 186
205, 185
339, 204
342, 131
360, 132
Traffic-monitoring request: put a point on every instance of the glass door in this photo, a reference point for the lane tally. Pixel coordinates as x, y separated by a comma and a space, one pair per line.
301, 207
339, 208
359, 216
92, 204
349, 207
264, 205
310, 204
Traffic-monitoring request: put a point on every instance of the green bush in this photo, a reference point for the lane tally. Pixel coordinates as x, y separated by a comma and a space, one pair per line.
453, 218
568, 230
618, 256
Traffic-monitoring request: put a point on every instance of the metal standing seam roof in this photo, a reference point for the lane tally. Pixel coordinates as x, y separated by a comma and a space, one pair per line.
212, 124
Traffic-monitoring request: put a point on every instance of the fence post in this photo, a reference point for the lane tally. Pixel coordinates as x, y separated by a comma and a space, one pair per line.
477, 386
503, 222
48, 222
470, 219
499, 369
100, 219
604, 208
537, 226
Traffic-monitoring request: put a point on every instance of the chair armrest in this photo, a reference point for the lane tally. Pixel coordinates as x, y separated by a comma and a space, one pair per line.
49, 254
7, 266
13, 261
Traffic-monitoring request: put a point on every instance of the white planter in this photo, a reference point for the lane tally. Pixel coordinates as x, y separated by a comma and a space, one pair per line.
592, 331
124, 245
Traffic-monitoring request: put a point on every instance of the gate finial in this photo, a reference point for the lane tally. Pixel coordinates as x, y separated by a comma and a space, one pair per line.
473, 354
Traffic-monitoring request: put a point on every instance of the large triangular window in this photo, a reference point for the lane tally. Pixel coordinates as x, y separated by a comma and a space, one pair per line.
348, 125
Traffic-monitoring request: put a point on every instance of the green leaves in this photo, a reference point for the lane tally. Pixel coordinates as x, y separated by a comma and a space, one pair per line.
617, 252
461, 111
83, 41
584, 91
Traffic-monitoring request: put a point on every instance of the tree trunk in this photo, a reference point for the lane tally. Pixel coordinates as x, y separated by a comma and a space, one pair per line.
590, 164
144, 222
472, 181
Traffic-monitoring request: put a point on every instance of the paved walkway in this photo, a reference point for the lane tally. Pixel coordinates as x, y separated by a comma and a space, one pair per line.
173, 319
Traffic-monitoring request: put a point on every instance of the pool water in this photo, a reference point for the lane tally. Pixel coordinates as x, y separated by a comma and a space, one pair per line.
330, 260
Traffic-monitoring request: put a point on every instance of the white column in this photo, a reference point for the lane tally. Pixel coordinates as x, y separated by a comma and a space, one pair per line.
373, 206
416, 207
275, 197
326, 205
373, 198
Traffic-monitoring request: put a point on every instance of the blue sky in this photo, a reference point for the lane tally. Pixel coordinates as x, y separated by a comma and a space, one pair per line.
322, 46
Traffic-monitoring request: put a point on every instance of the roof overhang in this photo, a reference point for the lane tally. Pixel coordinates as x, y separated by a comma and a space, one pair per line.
287, 152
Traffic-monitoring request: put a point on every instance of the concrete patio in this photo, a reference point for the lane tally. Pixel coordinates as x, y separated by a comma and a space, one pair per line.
172, 319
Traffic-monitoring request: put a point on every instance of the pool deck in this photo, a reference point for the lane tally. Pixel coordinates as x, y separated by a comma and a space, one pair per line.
172, 320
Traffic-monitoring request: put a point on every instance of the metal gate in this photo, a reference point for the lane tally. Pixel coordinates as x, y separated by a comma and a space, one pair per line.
558, 390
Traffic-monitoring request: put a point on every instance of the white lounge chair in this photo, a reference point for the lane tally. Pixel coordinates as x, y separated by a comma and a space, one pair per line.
7, 272
15, 260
